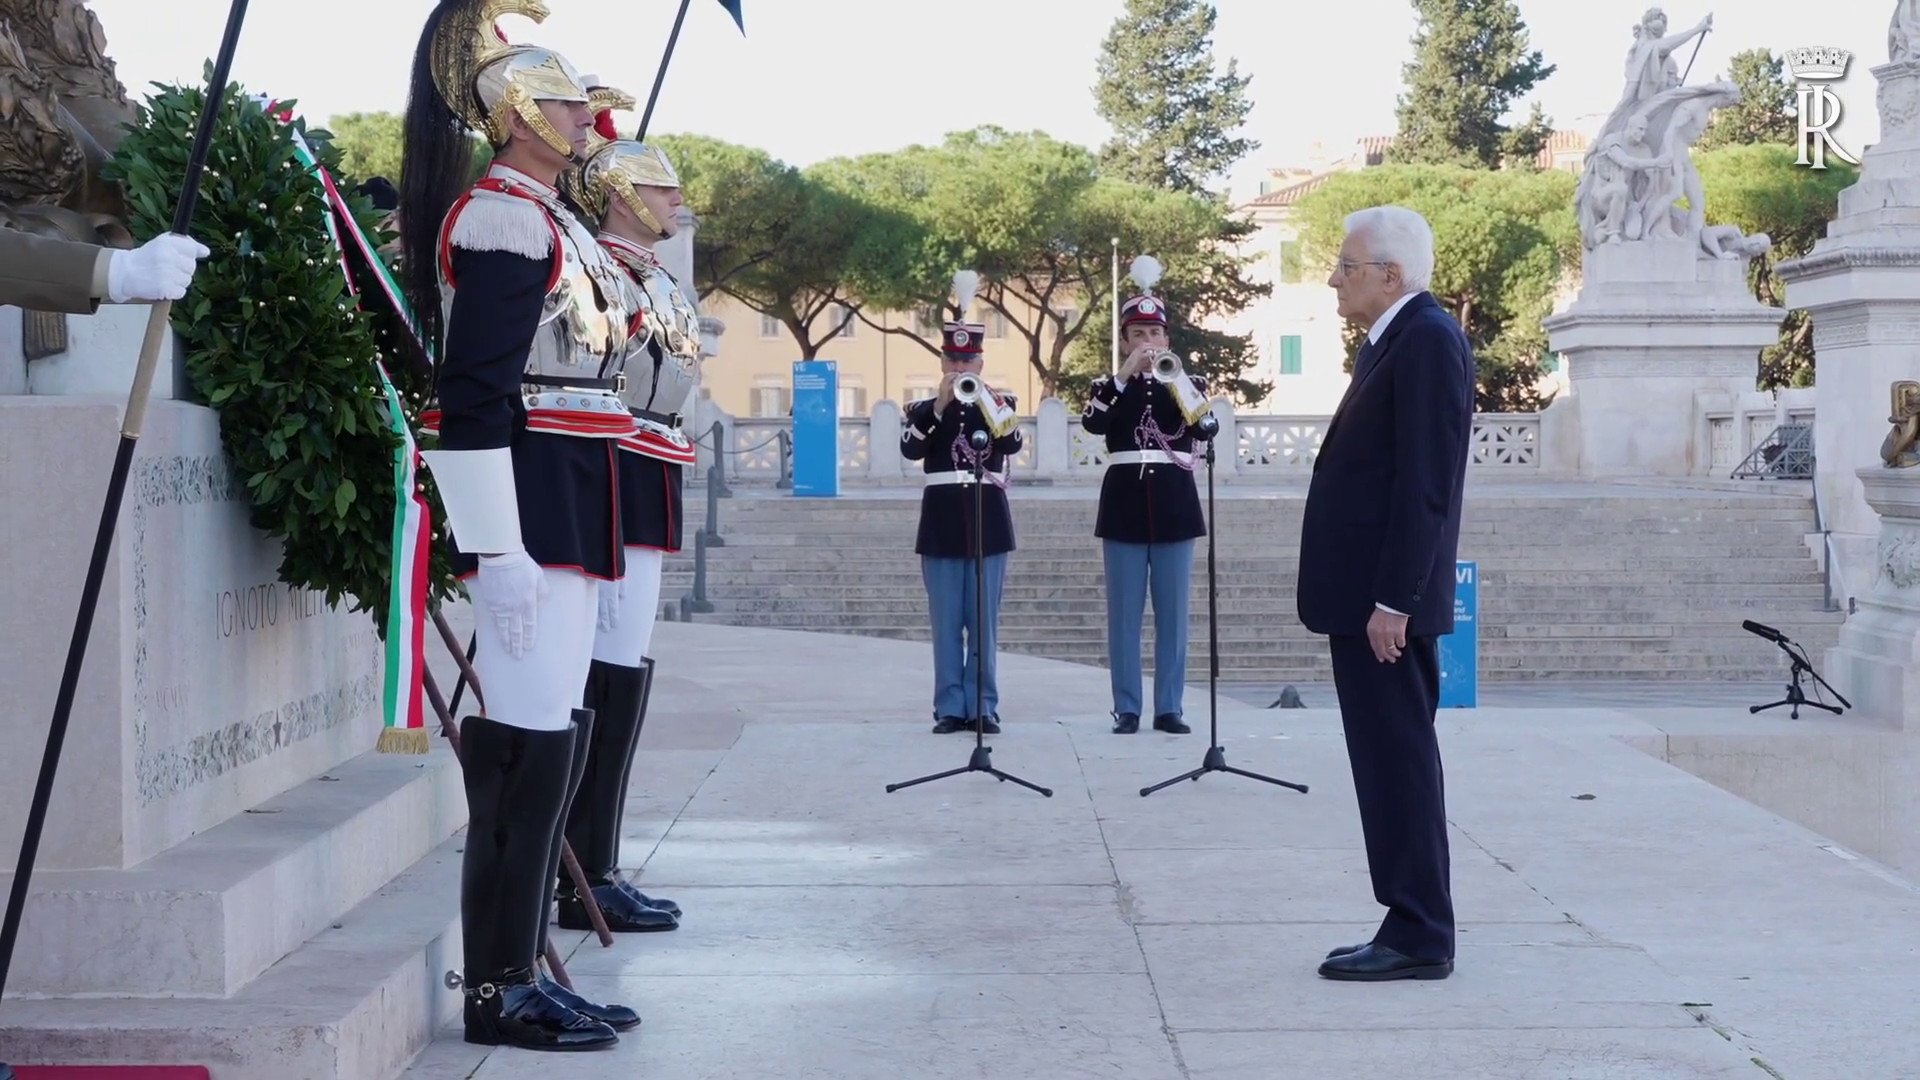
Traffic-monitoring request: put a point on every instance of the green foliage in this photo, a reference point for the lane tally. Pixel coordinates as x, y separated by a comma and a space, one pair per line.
1505, 243
1759, 189
273, 341
370, 145
1765, 111
1174, 121
1470, 65
1173, 118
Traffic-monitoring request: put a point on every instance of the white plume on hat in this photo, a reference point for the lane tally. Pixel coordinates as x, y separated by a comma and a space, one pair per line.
966, 284
1145, 270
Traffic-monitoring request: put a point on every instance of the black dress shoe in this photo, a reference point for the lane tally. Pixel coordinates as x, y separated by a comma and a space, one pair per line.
660, 902
617, 1017
519, 1013
1344, 950
1377, 963
989, 726
947, 725
623, 913
1171, 724
1126, 723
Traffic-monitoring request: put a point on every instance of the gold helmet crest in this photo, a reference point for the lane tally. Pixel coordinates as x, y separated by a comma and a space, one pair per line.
485, 80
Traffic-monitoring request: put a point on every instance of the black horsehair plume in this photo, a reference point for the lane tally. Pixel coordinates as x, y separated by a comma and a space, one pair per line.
436, 161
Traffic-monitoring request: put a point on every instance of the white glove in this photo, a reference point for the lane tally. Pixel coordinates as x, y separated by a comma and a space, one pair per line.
610, 594
160, 269
513, 585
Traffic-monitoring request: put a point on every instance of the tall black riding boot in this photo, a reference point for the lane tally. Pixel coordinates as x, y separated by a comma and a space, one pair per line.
593, 823
618, 1017
626, 774
516, 783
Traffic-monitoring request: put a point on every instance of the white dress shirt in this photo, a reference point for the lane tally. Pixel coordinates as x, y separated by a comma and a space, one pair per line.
1373, 338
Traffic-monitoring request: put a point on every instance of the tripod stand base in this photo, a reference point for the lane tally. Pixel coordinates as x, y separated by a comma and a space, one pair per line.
1216, 761
981, 762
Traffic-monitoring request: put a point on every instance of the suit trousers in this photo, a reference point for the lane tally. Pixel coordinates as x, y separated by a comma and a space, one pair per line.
957, 674
1387, 711
539, 690
1133, 571
627, 643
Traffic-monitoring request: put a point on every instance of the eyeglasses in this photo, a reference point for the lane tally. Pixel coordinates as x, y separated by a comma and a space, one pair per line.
1348, 267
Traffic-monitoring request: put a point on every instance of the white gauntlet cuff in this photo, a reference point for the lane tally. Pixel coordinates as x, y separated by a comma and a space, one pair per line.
482, 504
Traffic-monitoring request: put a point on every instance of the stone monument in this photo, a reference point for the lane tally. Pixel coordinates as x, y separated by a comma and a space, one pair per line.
224, 876
1860, 285
1664, 316
1877, 661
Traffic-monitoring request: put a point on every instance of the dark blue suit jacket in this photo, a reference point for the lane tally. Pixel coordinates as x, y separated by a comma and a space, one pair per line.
1382, 521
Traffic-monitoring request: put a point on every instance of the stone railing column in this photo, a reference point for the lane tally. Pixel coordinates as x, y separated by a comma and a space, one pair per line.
1053, 438
885, 463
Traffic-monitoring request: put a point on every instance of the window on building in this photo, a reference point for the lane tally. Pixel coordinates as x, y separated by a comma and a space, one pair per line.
1291, 270
853, 401
996, 325
927, 321
1069, 316
841, 320
770, 327
1290, 354
772, 399
921, 392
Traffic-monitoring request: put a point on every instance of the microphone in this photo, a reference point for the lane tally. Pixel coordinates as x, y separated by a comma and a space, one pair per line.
979, 439
1208, 426
1764, 631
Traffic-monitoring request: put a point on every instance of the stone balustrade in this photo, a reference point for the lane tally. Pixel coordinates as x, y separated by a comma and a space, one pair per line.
1266, 445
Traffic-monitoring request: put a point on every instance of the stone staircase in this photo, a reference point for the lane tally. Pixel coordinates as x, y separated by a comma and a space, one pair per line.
1577, 581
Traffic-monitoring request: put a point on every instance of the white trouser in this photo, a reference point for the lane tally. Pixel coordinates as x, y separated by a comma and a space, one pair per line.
632, 633
540, 689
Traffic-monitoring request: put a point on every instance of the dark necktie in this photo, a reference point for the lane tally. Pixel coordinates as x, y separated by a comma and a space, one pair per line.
1369, 352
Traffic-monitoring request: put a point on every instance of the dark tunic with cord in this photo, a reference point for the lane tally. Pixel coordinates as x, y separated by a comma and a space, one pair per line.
947, 510
1151, 503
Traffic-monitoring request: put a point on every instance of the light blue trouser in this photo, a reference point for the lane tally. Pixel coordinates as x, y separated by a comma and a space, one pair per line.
1134, 570
950, 603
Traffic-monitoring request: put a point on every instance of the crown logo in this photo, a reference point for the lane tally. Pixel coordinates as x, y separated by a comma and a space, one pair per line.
1818, 62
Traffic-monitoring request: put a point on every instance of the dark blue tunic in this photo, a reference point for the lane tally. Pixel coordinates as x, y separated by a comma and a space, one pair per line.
947, 510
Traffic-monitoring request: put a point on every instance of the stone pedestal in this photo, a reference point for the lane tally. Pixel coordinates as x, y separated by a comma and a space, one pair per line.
1657, 325
1877, 663
102, 351
1860, 285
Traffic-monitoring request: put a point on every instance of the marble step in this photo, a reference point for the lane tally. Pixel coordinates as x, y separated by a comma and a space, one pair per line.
205, 917
357, 1002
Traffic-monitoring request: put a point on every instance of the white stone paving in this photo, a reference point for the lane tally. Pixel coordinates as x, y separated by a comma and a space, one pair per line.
1619, 917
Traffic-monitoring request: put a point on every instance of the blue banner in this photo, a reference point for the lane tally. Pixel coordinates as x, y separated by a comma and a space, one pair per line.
816, 428
1460, 650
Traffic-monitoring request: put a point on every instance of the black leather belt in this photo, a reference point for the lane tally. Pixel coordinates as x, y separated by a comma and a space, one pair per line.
671, 420
568, 382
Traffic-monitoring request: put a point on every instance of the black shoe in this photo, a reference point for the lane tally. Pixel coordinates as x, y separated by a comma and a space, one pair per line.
1377, 963
617, 1017
1171, 724
989, 726
514, 1011
1344, 950
1126, 723
623, 913
662, 903
947, 725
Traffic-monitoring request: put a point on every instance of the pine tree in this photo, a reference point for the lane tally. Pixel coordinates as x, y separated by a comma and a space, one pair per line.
1765, 111
1173, 121
1173, 118
1470, 65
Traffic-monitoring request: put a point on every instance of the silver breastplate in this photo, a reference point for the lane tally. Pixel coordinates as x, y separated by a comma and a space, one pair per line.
583, 319
669, 330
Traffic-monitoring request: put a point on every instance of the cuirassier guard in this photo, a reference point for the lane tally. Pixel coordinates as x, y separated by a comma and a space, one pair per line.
938, 431
1149, 506
527, 312
632, 191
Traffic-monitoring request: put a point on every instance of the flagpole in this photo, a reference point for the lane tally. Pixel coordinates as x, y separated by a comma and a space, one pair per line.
1116, 306
661, 75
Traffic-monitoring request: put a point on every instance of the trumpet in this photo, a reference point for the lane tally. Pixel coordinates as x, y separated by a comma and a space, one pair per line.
968, 389
1166, 366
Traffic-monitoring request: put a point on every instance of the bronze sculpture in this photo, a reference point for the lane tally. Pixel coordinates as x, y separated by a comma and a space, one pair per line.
1898, 450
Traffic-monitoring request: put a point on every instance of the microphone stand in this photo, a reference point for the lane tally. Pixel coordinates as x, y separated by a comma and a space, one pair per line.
1799, 664
1216, 758
981, 761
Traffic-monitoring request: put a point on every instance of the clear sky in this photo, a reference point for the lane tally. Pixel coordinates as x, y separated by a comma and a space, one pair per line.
815, 79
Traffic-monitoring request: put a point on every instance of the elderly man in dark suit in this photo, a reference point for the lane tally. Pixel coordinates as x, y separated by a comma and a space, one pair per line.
1377, 551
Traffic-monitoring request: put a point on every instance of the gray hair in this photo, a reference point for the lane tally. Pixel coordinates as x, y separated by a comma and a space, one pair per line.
1399, 236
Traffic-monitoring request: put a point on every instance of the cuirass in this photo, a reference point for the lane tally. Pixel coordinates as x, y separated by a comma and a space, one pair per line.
578, 336
668, 329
